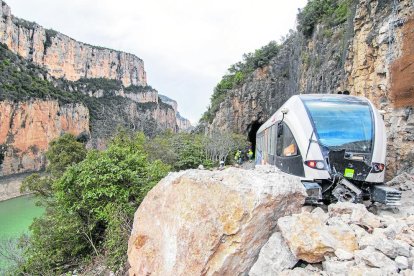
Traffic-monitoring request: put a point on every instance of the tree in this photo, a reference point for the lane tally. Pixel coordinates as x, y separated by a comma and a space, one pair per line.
220, 145
90, 208
62, 153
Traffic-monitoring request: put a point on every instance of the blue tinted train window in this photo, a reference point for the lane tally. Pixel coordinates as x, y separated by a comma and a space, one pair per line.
342, 124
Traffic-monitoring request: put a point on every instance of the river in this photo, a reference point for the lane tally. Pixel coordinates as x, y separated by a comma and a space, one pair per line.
16, 215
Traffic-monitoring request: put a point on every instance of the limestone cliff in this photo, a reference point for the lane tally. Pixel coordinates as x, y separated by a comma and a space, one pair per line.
183, 124
51, 84
27, 128
64, 57
368, 55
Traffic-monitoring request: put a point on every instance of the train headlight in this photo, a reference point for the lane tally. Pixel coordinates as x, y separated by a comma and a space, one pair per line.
315, 164
377, 167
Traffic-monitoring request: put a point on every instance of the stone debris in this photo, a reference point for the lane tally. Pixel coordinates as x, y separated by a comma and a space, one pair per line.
405, 183
343, 255
252, 222
402, 262
274, 256
364, 244
333, 267
311, 239
374, 258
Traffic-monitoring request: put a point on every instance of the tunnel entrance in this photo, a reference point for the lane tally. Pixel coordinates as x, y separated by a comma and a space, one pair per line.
254, 127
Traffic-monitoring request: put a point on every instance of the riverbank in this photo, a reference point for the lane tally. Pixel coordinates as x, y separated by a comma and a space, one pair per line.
10, 186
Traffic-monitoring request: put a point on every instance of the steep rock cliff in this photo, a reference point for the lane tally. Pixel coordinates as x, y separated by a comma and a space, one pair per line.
27, 128
358, 55
183, 124
51, 84
65, 57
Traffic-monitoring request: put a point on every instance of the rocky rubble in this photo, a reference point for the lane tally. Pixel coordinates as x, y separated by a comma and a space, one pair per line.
252, 222
346, 240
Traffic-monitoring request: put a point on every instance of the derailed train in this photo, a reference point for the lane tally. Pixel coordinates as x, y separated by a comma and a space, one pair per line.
335, 143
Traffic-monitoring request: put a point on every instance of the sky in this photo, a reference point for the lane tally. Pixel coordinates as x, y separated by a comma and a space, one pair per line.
186, 45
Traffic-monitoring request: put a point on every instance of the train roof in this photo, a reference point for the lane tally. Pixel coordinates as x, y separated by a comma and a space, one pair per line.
333, 98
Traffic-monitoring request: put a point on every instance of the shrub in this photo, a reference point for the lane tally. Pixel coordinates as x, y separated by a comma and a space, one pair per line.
90, 206
331, 12
188, 150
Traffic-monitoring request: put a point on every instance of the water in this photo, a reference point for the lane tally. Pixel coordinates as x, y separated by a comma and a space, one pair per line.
16, 215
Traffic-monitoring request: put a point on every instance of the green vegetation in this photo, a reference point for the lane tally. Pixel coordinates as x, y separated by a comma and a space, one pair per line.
21, 80
138, 89
184, 150
96, 84
109, 86
2, 152
24, 23
237, 75
50, 34
90, 198
329, 12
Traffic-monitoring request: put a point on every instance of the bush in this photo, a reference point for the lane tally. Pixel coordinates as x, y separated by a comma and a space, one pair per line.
331, 12
188, 150
90, 207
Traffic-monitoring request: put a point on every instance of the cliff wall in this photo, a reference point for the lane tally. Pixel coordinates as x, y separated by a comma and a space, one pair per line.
51, 84
64, 57
359, 55
183, 124
27, 128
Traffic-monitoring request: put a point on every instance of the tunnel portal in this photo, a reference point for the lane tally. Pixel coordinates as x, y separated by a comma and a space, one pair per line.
253, 128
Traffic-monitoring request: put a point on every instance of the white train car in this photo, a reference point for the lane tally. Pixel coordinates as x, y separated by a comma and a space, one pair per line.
335, 143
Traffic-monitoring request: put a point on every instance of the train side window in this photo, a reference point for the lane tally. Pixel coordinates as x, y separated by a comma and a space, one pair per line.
286, 144
273, 140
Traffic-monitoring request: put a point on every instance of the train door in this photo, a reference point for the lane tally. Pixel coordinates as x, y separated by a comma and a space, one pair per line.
288, 157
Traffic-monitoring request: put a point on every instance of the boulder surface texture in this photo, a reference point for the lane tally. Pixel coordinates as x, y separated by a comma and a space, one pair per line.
199, 222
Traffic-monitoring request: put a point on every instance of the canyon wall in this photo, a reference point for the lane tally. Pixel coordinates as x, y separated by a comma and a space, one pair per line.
64, 57
27, 128
363, 55
51, 84
183, 124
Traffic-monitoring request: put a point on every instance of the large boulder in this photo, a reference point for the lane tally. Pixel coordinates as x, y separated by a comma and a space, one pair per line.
210, 222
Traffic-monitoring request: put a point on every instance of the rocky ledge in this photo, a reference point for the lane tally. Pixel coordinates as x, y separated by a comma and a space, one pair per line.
252, 222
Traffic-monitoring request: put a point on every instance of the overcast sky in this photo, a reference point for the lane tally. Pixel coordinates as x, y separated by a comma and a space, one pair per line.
186, 45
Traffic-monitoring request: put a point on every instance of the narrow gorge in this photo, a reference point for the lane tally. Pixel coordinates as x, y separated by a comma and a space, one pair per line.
52, 84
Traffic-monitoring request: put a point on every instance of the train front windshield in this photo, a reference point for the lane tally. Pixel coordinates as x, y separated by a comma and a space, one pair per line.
342, 124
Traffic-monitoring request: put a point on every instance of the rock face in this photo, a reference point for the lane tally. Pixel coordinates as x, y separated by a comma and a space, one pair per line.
369, 55
44, 77
10, 186
149, 96
65, 57
27, 128
183, 124
209, 222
